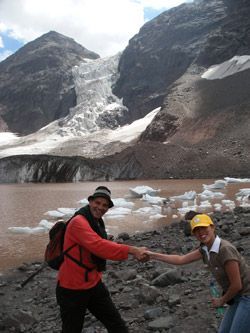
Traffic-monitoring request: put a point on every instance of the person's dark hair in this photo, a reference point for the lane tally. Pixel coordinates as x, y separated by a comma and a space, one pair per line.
186, 225
190, 215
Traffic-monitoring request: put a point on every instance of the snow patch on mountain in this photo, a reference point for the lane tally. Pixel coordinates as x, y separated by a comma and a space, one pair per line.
90, 144
228, 68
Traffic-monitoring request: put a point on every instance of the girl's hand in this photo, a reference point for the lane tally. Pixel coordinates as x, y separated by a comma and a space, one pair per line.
217, 302
149, 253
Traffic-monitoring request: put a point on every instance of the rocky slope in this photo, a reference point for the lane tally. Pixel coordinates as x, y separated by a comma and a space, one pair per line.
36, 83
152, 296
202, 128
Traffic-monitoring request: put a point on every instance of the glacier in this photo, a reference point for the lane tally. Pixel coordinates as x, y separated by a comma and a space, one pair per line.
92, 128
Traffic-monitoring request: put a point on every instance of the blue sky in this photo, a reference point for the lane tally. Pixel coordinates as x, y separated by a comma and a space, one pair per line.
106, 31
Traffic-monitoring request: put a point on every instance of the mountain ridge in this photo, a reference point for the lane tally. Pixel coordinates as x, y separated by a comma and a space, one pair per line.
47, 93
201, 129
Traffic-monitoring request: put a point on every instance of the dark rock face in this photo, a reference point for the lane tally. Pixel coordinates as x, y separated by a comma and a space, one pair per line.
218, 158
36, 85
45, 168
232, 37
203, 33
162, 51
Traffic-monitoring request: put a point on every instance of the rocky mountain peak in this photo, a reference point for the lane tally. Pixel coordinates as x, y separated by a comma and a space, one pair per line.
203, 33
36, 83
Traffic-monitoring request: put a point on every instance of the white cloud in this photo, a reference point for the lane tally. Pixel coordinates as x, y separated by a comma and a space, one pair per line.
159, 4
3, 27
102, 26
1, 42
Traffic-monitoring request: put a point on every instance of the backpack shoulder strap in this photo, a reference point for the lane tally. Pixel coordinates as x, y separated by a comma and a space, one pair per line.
79, 263
87, 269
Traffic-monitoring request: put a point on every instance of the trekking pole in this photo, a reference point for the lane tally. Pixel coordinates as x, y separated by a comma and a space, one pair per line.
34, 274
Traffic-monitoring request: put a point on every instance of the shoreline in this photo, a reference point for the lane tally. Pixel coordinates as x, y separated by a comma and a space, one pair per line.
27, 245
152, 296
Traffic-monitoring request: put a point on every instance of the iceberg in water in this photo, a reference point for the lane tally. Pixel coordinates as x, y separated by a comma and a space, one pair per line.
156, 217
26, 230
117, 212
67, 211
190, 195
183, 210
83, 201
121, 202
218, 184
42, 227
54, 213
205, 195
154, 200
148, 210
139, 191
237, 180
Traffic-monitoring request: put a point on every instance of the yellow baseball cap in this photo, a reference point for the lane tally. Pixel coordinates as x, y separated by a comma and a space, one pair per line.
200, 220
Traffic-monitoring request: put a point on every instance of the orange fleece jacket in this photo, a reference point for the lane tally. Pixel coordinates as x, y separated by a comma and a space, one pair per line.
71, 275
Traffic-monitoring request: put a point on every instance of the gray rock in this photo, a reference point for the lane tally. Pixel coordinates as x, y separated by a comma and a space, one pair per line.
162, 323
152, 313
169, 277
148, 294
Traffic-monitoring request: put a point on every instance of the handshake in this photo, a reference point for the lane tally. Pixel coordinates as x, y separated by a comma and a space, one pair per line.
142, 254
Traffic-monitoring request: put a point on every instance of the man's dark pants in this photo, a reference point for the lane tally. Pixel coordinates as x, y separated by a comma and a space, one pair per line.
73, 305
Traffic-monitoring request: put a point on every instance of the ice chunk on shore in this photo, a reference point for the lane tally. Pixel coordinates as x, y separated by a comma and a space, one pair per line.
217, 207
243, 192
243, 196
205, 205
229, 204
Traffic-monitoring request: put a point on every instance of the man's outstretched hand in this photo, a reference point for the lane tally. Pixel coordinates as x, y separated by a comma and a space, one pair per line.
140, 253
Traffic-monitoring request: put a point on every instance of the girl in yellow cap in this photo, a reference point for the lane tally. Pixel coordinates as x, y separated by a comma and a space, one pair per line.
228, 268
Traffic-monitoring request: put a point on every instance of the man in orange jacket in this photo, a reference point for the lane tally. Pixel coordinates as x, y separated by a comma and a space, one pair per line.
80, 287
